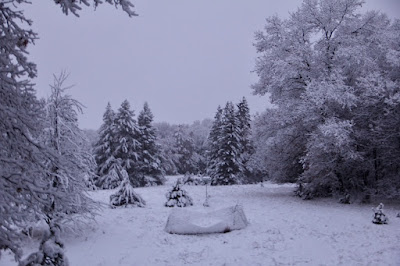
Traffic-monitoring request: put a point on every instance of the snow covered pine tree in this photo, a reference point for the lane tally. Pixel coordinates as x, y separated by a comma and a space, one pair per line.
228, 166
104, 150
149, 162
178, 197
126, 195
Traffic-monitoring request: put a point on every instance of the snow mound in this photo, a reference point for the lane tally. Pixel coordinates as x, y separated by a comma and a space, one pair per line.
186, 222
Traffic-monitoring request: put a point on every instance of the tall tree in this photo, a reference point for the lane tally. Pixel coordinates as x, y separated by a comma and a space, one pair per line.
150, 163
244, 124
228, 164
184, 147
105, 145
127, 149
213, 142
63, 134
322, 67
244, 120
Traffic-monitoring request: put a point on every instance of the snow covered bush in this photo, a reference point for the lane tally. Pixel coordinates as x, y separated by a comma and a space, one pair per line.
379, 216
178, 197
51, 249
126, 195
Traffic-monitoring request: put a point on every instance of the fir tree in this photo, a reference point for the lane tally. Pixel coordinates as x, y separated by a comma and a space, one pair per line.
178, 197
246, 147
228, 165
244, 120
213, 142
379, 216
184, 147
113, 178
126, 195
150, 163
104, 148
127, 149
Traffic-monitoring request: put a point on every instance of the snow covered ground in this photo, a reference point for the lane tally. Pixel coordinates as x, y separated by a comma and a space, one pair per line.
283, 230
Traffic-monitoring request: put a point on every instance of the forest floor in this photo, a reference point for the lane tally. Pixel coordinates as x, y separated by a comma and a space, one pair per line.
282, 230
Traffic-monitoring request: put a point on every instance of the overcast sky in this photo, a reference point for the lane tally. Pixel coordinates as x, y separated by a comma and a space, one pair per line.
183, 57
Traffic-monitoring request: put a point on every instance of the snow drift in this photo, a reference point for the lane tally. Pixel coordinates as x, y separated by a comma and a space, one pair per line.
186, 222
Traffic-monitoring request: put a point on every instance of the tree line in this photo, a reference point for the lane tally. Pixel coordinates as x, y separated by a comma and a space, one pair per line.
148, 151
333, 75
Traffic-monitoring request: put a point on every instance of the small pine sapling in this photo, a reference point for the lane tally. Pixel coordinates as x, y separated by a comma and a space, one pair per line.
379, 216
126, 195
178, 197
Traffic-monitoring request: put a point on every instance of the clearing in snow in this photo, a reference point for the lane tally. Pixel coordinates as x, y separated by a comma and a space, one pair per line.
282, 230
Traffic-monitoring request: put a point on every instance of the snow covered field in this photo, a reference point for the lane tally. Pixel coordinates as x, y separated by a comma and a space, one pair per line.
283, 230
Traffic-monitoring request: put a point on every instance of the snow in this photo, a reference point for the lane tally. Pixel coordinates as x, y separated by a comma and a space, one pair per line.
220, 221
282, 230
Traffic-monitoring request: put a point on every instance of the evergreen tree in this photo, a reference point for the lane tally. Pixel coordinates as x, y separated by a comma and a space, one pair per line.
150, 163
127, 148
104, 148
244, 120
184, 147
125, 195
213, 142
178, 197
228, 165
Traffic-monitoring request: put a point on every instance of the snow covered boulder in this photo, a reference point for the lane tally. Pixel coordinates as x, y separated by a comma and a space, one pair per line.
186, 222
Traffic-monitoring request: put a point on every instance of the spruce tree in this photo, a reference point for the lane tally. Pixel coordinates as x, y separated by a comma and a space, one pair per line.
213, 142
228, 165
105, 146
184, 147
127, 148
244, 120
150, 163
178, 197
125, 195
246, 147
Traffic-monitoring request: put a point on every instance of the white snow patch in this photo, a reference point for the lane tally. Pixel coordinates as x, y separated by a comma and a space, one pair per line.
282, 230
182, 221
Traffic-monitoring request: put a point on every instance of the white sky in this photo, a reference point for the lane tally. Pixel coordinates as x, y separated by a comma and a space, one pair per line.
183, 57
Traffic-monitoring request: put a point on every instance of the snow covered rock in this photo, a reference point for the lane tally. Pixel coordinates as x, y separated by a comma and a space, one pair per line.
186, 222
